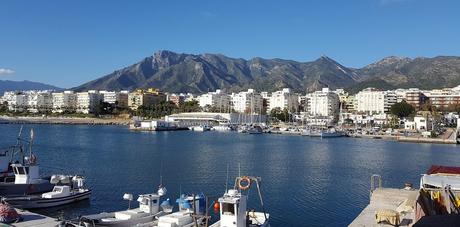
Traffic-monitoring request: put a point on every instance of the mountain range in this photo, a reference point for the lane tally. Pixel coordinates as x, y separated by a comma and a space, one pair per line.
9, 85
179, 72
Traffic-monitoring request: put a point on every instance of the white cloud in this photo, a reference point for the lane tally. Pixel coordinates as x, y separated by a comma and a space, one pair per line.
5, 71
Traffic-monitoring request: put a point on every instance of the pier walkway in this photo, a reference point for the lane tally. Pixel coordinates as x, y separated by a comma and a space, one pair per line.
400, 200
33, 219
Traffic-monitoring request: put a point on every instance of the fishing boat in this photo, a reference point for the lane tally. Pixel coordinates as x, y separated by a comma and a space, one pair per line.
331, 134
233, 210
26, 179
148, 211
191, 212
60, 195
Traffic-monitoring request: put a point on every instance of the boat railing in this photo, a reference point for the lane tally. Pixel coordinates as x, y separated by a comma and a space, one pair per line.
376, 182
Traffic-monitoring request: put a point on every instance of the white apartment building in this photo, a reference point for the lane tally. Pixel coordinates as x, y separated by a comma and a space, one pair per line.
248, 102
39, 101
216, 99
284, 99
373, 101
323, 103
87, 102
64, 101
17, 101
120, 99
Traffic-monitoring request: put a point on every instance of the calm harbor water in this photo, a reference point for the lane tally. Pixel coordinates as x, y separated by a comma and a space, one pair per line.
305, 181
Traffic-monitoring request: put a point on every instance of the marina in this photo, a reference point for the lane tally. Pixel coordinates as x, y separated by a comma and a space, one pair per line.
327, 181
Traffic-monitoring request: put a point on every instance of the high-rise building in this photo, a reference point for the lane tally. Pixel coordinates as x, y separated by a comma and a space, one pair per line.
147, 97
323, 103
374, 101
64, 101
88, 102
217, 99
248, 102
284, 99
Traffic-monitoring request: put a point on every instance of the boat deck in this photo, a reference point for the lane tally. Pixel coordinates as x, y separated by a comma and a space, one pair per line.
388, 198
33, 219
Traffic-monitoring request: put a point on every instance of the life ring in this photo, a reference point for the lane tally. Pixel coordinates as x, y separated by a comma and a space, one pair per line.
246, 183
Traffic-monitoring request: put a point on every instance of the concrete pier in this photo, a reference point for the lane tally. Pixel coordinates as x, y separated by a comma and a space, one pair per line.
399, 200
32, 219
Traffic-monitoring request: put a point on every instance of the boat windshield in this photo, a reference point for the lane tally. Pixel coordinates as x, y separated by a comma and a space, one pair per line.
57, 189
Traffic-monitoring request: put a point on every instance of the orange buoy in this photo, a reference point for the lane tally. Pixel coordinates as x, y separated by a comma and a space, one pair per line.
216, 205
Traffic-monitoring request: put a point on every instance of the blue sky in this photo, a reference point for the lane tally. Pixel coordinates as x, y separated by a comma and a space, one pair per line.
66, 43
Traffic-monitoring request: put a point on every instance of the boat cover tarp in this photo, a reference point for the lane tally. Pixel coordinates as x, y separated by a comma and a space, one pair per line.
440, 181
443, 169
450, 220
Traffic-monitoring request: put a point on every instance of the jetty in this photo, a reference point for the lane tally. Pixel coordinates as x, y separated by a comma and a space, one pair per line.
32, 219
384, 199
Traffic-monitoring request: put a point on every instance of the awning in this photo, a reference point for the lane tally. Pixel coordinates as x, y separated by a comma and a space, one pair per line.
441, 181
443, 169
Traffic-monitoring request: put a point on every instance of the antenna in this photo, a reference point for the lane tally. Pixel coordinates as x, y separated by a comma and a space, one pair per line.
226, 182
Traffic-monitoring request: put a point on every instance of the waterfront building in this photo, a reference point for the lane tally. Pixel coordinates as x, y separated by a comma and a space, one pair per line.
39, 101
17, 101
323, 103
88, 102
177, 99
419, 124
284, 99
373, 101
247, 102
443, 99
118, 99
416, 98
64, 101
217, 99
147, 97
208, 118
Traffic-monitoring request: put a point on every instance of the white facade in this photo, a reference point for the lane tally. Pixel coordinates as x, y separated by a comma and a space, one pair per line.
64, 101
120, 99
284, 99
419, 124
247, 102
16, 101
87, 102
323, 103
39, 101
373, 101
216, 99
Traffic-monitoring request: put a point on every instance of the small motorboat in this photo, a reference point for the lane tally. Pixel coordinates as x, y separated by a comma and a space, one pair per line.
148, 211
191, 211
233, 206
60, 195
255, 129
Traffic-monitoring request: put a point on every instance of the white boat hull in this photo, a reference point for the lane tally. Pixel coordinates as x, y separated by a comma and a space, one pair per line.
108, 219
36, 202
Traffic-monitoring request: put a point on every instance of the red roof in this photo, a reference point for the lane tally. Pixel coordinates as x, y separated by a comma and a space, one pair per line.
443, 169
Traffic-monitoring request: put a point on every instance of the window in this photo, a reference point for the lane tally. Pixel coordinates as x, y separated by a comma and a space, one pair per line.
228, 209
21, 171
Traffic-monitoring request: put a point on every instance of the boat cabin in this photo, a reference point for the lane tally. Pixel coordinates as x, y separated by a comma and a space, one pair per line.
233, 209
148, 204
25, 174
186, 203
58, 192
